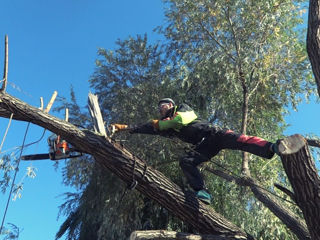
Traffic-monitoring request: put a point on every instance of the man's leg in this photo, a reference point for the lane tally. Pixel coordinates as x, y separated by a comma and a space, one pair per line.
230, 140
189, 165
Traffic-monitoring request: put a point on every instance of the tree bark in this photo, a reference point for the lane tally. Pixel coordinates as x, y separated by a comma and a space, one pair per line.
293, 222
313, 39
6, 63
128, 167
171, 235
313, 143
303, 176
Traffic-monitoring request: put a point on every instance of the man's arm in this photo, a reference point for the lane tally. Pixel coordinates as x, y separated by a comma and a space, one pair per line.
146, 128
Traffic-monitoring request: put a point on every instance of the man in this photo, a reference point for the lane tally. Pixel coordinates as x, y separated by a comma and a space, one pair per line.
182, 122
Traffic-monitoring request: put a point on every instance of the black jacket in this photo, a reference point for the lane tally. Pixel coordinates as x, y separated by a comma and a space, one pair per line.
184, 125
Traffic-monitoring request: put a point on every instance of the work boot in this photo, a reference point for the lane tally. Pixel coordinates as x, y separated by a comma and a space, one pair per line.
204, 196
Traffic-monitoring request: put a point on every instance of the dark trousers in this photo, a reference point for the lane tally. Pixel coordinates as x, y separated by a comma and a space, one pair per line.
212, 144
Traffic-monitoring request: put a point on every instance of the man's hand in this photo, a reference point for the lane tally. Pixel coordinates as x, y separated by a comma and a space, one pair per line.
118, 127
155, 124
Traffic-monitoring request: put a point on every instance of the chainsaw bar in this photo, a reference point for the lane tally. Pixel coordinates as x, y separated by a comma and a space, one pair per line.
35, 157
47, 156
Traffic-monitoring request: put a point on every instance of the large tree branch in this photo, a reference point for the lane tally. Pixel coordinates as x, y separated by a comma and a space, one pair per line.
313, 39
303, 176
293, 222
313, 142
170, 235
127, 166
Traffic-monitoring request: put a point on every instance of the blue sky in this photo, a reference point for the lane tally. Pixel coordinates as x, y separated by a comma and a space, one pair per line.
53, 44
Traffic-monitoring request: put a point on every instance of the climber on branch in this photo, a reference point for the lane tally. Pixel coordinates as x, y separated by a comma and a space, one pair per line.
182, 122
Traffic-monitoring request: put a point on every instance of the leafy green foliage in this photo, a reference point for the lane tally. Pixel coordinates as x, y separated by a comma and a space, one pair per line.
230, 48
6, 167
216, 41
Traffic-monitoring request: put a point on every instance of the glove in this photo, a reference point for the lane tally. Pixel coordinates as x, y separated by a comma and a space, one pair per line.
118, 127
155, 124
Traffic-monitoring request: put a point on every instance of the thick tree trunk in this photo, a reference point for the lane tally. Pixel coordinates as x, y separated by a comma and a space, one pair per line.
128, 167
303, 176
313, 39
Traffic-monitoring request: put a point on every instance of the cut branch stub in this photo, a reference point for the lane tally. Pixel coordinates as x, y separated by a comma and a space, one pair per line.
53, 98
292, 144
96, 115
6, 63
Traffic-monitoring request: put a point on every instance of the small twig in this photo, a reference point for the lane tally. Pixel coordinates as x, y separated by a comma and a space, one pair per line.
41, 103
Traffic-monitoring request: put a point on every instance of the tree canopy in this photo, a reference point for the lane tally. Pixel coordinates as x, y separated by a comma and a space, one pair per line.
240, 64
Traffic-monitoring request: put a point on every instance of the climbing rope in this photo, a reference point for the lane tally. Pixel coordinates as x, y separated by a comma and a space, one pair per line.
14, 178
134, 182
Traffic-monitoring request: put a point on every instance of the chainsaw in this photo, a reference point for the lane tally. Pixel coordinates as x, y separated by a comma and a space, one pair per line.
58, 149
